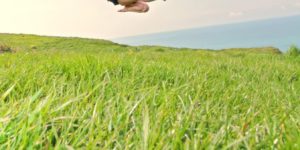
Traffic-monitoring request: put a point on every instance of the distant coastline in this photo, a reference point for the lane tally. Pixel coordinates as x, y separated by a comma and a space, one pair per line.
276, 32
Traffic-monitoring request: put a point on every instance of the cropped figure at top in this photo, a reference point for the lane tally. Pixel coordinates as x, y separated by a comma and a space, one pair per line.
139, 6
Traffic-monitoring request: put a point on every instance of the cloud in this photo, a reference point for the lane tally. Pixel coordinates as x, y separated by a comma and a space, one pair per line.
236, 14
297, 4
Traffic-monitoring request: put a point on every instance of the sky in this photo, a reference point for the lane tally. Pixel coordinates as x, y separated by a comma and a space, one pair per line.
100, 19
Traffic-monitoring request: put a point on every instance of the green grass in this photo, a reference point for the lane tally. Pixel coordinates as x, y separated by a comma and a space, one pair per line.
64, 93
293, 51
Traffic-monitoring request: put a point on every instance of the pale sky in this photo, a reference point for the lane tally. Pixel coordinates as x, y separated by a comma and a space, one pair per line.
99, 19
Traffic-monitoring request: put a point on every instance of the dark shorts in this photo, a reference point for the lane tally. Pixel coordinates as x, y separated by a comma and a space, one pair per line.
114, 1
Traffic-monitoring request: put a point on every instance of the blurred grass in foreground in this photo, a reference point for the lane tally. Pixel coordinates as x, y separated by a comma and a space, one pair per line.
69, 93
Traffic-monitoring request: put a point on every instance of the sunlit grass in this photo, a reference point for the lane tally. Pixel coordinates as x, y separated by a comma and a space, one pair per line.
107, 96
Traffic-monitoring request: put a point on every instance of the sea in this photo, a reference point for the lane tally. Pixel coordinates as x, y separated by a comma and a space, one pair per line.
277, 32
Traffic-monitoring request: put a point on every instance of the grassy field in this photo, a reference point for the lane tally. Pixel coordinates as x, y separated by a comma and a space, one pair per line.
65, 93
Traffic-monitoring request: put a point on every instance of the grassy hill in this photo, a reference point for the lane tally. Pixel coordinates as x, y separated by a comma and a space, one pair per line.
67, 93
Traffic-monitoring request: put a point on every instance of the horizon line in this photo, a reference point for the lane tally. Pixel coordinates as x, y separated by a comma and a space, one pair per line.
207, 26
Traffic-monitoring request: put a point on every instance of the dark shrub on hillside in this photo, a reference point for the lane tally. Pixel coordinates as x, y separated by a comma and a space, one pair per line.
5, 49
160, 50
293, 51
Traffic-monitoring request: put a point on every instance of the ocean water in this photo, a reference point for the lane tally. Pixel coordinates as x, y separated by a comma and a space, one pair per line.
279, 32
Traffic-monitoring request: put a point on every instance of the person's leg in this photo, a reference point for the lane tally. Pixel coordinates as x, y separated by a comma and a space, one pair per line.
139, 6
127, 2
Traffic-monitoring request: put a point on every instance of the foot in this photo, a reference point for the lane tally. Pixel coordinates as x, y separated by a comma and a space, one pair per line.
140, 6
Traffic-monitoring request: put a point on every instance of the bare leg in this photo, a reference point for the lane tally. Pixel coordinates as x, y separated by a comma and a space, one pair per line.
139, 6
127, 2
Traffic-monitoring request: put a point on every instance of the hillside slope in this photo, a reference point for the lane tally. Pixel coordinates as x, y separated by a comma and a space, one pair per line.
34, 42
